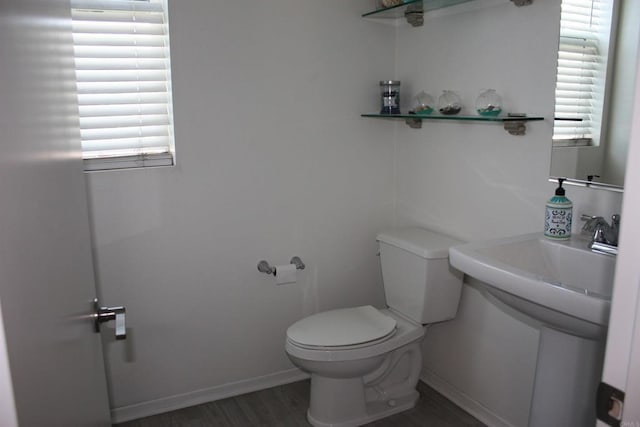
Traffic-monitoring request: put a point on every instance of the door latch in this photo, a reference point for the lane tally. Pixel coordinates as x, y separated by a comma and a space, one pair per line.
609, 404
105, 314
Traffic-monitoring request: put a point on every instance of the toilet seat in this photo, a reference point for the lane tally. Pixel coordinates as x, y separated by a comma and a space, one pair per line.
405, 332
342, 328
344, 347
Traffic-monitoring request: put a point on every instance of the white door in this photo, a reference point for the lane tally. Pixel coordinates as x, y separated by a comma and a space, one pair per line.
54, 358
622, 360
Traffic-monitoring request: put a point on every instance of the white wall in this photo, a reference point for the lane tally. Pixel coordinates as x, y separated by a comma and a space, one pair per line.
475, 181
623, 346
622, 82
274, 160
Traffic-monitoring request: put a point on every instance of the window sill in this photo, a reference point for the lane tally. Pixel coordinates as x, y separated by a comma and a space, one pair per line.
128, 162
573, 143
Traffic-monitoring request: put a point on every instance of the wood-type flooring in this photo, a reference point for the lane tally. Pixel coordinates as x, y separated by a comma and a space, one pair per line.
286, 406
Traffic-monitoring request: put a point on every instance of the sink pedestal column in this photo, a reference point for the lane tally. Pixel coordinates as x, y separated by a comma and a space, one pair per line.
567, 376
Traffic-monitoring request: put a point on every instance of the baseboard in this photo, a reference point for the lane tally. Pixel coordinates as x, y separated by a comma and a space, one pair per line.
171, 403
179, 401
462, 400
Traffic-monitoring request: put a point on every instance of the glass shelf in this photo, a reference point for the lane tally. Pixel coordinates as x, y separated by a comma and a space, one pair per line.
515, 125
395, 12
500, 119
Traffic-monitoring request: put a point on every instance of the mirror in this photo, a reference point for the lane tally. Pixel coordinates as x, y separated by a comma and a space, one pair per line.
598, 157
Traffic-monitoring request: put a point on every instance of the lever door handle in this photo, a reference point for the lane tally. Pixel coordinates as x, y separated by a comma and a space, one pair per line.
105, 314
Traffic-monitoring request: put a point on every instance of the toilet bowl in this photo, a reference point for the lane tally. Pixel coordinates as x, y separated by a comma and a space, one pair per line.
359, 382
364, 362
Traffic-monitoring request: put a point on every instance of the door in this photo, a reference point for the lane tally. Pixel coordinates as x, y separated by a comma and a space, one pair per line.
55, 360
622, 366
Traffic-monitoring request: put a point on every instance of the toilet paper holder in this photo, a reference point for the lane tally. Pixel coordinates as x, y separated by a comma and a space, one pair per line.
264, 267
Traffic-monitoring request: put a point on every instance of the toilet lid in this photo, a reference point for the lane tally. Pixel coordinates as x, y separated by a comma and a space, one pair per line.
343, 327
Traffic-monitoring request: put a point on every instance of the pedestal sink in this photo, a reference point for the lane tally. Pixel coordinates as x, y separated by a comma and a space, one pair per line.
566, 289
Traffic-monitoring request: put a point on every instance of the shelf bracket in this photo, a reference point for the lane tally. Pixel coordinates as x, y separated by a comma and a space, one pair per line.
516, 127
522, 2
414, 123
415, 14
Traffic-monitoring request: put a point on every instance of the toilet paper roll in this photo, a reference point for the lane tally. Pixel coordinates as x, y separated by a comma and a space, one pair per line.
285, 274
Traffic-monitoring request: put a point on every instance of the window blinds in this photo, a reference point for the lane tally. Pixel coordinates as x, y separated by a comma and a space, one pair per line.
581, 70
123, 81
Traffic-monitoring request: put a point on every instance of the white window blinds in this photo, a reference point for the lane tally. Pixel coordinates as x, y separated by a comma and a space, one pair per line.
582, 59
123, 81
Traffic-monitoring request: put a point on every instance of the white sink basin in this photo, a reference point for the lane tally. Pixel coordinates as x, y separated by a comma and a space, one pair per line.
567, 289
561, 284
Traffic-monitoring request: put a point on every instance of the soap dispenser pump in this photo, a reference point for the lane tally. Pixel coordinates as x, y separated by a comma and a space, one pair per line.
559, 211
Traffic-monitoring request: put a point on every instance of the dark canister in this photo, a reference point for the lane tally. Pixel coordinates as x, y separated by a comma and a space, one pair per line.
390, 97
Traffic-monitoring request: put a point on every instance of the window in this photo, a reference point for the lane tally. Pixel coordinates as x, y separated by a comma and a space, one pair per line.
123, 80
585, 27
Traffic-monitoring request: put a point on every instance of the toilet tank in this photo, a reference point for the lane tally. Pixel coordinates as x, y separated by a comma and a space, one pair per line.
418, 280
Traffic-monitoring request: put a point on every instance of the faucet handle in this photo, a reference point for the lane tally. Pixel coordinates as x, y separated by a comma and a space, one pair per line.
615, 220
592, 223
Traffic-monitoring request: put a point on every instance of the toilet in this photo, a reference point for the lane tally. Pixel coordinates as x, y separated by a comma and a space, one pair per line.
365, 362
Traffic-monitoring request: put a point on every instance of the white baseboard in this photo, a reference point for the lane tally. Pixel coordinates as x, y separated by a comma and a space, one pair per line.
470, 405
171, 403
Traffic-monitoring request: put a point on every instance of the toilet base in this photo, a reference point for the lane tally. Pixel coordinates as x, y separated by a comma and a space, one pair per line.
374, 411
388, 389
352, 387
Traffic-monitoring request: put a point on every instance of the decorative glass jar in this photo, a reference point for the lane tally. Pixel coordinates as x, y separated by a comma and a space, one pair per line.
449, 103
390, 97
489, 103
424, 103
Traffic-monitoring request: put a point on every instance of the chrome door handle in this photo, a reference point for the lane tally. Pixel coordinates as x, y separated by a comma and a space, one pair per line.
105, 314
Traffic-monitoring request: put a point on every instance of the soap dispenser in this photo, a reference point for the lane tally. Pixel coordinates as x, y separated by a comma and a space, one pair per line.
559, 211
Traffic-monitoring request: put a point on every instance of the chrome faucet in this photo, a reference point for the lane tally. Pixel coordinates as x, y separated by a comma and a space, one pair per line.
604, 237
